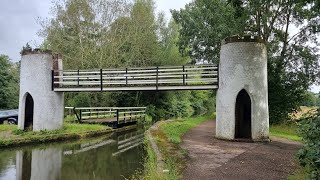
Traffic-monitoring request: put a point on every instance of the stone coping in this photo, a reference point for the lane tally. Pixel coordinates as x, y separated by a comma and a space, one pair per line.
244, 38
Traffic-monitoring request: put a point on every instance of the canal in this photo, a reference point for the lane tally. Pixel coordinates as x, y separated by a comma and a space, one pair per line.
116, 156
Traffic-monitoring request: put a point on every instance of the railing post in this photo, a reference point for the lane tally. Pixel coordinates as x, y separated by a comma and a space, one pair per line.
78, 78
117, 114
126, 76
52, 77
218, 75
186, 71
75, 112
157, 78
98, 113
183, 76
101, 80
130, 116
80, 115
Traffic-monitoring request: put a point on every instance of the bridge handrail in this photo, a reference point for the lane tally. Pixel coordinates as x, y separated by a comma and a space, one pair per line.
78, 108
148, 67
122, 114
203, 76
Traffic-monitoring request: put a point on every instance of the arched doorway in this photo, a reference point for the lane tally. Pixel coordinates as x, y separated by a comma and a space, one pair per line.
243, 115
28, 120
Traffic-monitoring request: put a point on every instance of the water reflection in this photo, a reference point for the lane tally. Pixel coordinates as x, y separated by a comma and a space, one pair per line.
39, 164
115, 157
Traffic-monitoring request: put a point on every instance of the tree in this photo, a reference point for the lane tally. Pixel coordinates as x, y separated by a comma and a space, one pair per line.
79, 31
293, 62
105, 34
26, 48
309, 99
9, 91
204, 23
309, 154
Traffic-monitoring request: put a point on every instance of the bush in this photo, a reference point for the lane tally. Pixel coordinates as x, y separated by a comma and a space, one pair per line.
309, 155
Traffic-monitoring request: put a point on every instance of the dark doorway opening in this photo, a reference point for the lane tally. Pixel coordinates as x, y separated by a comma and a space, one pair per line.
26, 165
243, 115
28, 121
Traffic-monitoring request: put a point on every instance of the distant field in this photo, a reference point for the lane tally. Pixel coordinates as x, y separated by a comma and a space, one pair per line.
304, 110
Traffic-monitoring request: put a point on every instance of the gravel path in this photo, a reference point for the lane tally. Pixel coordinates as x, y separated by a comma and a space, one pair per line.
209, 158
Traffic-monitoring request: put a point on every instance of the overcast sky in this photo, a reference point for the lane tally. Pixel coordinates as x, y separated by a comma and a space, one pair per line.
18, 24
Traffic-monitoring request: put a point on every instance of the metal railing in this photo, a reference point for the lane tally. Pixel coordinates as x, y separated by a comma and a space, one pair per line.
120, 115
149, 78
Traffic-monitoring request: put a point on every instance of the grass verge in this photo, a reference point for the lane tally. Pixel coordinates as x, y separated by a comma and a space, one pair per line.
176, 129
168, 137
10, 135
288, 131
300, 173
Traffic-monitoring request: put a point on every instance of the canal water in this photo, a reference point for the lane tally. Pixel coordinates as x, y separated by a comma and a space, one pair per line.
116, 156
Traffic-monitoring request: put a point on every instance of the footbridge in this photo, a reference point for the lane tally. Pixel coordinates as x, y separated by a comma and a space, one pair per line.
160, 78
241, 81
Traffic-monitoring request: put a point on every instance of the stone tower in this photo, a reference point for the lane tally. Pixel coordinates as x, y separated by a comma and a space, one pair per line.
242, 97
40, 108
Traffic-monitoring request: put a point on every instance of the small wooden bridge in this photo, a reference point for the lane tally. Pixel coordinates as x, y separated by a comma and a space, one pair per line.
111, 116
137, 79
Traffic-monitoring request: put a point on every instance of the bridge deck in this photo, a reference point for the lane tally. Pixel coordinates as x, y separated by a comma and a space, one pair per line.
137, 79
107, 120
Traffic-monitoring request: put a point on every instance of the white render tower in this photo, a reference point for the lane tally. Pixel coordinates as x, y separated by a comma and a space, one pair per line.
242, 97
40, 108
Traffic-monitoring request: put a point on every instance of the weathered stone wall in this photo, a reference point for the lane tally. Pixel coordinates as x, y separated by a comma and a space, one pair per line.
35, 79
243, 65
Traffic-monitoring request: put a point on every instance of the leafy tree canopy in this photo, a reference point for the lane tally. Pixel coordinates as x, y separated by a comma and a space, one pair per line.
289, 27
9, 85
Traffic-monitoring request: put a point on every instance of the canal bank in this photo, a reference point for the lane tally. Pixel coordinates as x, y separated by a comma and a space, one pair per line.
165, 159
10, 136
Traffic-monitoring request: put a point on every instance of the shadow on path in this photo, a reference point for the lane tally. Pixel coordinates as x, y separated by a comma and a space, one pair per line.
210, 158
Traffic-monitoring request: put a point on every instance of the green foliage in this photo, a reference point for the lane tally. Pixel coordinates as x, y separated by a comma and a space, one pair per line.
309, 155
293, 61
203, 25
9, 83
300, 173
176, 129
18, 131
133, 36
310, 99
26, 48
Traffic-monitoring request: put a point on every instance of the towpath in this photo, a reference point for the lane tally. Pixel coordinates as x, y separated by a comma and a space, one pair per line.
209, 158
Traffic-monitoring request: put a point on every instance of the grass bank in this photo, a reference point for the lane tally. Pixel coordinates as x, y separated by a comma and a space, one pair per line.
168, 136
10, 135
288, 131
